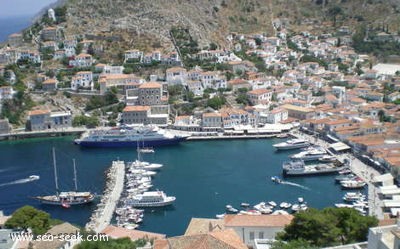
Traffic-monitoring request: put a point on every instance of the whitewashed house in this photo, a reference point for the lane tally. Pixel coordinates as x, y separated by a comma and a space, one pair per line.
251, 227
277, 115
176, 75
133, 54
82, 79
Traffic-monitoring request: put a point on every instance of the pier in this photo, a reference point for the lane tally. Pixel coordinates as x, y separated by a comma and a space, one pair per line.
102, 216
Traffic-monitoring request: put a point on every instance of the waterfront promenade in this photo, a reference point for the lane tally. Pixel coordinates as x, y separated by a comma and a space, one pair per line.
357, 167
15, 135
101, 217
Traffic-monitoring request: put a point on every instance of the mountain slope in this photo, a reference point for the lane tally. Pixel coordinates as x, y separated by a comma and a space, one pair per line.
146, 23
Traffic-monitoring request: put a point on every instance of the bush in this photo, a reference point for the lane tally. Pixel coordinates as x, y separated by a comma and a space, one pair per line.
216, 102
99, 101
90, 122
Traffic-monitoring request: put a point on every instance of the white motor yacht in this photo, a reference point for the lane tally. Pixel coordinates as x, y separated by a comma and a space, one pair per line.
292, 144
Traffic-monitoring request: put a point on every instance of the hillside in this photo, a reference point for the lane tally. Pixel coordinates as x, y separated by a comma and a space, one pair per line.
146, 24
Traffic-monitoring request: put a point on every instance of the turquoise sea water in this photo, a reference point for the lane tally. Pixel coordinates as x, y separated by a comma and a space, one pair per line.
203, 175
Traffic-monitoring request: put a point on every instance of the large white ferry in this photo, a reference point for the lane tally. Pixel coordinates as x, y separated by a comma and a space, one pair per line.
292, 144
142, 136
151, 199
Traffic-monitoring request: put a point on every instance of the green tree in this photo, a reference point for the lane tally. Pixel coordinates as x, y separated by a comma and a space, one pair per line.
352, 225
216, 102
334, 11
78, 48
294, 244
175, 90
242, 98
213, 46
30, 217
328, 227
123, 243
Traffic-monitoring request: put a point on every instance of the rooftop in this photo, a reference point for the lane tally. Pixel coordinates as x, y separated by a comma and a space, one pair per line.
257, 220
201, 226
136, 108
226, 239
259, 91
120, 232
297, 108
38, 112
150, 85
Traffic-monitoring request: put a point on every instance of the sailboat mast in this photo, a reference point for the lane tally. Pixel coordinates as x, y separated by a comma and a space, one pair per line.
75, 179
55, 169
138, 150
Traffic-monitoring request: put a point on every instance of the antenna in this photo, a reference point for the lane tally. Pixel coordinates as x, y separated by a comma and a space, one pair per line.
75, 179
55, 170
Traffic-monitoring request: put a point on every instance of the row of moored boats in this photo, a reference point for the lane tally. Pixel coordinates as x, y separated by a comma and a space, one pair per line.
355, 200
138, 194
326, 164
269, 207
312, 160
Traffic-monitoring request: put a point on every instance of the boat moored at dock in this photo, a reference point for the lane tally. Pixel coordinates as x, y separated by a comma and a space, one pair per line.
353, 184
151, 199
143, 136
292, 144
310, 154
299, 168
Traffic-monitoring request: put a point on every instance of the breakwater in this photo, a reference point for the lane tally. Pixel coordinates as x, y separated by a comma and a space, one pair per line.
102, 216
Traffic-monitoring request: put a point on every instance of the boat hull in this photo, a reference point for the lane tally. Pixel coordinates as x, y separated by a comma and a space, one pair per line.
58, 203
290, 147
145, 205
310, 173
307, 158
116, 144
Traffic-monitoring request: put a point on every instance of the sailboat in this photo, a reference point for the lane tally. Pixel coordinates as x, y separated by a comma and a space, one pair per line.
66, 199
145, 149
138, 163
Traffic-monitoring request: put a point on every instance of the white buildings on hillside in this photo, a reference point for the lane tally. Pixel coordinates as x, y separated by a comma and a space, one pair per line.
83, 79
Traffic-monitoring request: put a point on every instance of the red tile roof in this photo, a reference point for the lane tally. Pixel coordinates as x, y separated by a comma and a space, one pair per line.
119, 232
257, 220
150, 85
136, 108
38, 112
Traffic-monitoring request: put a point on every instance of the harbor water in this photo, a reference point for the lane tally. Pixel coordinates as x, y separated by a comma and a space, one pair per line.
204, 176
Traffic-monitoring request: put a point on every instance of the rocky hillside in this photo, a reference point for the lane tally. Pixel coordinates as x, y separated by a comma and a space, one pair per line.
146, 23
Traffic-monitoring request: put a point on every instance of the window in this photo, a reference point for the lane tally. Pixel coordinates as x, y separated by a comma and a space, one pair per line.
261, 235
251, 235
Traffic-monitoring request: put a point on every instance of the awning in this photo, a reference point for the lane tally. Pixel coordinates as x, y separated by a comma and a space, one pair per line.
391, 203
395, 211
339, 146
389, 190
332, 138
383, 178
